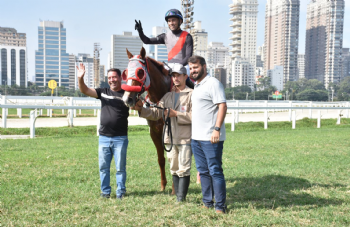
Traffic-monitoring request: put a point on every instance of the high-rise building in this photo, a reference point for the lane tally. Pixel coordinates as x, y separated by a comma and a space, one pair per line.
220, 74
216, 53
281, 37
324, 40
242, 71
51, 58
88, 62
120, 43
10, 37
158, 52
72, 66
244, 27
301, 66
13, 57
261, 52
102, 73
200, 39
345, 63
276, 75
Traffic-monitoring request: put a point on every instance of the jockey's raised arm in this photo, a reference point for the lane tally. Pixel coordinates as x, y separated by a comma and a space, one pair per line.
179, 43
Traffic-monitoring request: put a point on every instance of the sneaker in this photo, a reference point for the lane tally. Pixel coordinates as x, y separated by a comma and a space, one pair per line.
120, 197
106, 196
220, 212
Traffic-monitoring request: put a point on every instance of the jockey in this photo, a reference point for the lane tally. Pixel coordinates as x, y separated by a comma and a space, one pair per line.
179, 43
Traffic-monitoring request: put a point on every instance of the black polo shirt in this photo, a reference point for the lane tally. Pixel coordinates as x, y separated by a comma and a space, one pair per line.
114, 114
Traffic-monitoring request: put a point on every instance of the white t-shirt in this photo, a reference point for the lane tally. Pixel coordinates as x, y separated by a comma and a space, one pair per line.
205, 97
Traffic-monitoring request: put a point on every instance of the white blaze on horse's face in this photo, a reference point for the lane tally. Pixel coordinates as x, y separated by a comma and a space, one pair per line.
129, 97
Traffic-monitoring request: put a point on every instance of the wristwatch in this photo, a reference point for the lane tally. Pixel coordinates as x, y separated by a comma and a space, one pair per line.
217, 128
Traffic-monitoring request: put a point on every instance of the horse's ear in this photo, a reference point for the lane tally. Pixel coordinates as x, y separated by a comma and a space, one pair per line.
129, 54
143, 53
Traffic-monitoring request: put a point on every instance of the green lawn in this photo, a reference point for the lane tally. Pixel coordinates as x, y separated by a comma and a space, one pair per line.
274, 177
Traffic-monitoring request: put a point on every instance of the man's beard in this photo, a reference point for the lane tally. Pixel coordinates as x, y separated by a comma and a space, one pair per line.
200, 75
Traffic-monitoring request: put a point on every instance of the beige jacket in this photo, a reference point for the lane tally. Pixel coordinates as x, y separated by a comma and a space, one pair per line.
180, 125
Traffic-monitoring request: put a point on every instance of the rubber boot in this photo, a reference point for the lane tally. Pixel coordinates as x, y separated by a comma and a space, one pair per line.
176, 184
184, 183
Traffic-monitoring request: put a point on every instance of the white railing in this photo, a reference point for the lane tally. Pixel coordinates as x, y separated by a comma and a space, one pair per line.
233, 107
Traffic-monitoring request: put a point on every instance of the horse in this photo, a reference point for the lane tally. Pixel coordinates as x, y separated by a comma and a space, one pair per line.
146, 74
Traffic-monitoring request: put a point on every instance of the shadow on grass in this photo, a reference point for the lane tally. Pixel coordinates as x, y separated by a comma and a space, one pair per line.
274, 191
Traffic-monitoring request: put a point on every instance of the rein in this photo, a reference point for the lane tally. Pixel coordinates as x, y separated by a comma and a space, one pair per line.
167, 123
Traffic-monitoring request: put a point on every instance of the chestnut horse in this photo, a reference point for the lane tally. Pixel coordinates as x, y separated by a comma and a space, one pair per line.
146, 74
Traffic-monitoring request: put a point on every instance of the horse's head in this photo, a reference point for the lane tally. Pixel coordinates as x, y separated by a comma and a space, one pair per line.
136, 77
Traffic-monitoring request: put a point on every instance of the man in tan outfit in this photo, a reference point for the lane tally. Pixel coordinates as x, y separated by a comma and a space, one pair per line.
179, 102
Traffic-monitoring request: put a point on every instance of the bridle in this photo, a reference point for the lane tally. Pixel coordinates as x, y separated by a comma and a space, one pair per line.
132, 73
135, 65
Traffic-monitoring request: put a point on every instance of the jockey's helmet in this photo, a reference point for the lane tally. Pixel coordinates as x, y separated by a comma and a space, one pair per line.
173, 13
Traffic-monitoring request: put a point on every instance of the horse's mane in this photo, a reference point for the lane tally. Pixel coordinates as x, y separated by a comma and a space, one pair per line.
159, 66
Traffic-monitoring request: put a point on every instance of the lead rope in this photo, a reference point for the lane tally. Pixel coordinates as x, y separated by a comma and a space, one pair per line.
167, 123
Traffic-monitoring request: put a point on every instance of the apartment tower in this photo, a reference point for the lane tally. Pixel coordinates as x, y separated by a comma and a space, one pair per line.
13, 57
281, 37
244, 27
324, 40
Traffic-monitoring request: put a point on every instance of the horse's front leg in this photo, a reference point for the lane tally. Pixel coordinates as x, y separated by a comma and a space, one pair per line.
156, 135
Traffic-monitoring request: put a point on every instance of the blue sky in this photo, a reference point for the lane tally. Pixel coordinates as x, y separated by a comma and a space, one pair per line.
88, 22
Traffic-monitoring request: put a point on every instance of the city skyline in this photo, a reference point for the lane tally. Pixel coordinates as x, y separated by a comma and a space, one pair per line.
84, 30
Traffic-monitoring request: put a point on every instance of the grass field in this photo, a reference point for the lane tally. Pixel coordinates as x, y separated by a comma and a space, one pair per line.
275, 177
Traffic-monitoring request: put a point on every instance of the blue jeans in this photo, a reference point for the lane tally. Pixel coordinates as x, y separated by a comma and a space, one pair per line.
208, 158
108, 147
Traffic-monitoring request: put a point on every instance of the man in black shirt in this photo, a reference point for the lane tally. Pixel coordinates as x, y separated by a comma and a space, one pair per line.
113, 139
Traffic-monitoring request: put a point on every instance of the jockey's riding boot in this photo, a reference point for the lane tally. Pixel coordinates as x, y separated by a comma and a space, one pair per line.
189, 83
184, 183
176, 184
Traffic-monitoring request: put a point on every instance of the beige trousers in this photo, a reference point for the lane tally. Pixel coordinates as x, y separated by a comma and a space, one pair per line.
180, 159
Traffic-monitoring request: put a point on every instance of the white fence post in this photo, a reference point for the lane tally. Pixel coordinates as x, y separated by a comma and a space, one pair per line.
265, 116
98, 120
237, 111
233, 121
310, 110
290, 110
347, 110
94, 112
41, 112
319, 119
4, 112
32, 115
338, 120
19, 112
70, 112
293, 119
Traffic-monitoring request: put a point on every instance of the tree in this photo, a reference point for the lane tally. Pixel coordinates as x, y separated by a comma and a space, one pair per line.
264, 83
239, 92
312, 95
343, 92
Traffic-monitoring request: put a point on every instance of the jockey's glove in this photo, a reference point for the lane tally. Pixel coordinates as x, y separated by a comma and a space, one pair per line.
138, 26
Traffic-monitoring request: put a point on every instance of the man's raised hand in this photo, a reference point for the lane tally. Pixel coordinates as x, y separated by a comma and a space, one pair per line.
81, 70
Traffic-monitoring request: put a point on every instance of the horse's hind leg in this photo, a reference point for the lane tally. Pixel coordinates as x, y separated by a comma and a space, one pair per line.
157, 140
